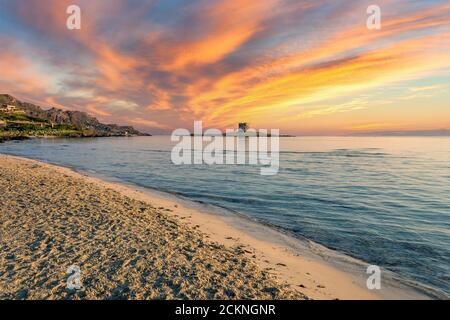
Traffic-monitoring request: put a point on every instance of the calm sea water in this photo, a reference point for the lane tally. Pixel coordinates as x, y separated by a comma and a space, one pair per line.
383, 200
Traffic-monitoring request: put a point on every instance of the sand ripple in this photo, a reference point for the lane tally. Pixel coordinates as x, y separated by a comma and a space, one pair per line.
126, 249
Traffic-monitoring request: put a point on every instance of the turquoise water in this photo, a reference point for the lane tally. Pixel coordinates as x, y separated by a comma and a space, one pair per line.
383, 200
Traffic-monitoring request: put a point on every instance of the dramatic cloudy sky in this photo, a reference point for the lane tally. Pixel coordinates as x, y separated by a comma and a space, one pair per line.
306, 67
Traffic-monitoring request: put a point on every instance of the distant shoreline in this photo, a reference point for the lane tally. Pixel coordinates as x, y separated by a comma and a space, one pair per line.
21, 120
21, 138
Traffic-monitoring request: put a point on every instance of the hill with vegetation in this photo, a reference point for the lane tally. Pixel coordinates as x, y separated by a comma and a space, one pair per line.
21, 120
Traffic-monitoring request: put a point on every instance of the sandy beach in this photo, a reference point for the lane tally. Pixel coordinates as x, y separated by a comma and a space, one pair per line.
134, 244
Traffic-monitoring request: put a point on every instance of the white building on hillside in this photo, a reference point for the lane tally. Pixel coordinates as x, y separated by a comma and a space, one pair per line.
6, 108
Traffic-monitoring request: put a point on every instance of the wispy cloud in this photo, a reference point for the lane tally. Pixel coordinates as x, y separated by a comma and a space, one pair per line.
163, 64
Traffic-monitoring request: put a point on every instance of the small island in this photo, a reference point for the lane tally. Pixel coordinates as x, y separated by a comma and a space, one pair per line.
21, 120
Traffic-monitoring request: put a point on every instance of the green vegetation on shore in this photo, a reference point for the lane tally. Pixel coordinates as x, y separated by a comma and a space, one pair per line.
22, 120
17, 126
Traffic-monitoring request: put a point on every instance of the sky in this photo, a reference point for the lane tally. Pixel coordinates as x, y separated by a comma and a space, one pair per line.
304, 67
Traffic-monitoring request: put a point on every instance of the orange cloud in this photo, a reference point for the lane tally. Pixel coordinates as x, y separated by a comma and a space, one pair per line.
401, 61
287, 82
21, 76
224, 61
227, 25
147, 123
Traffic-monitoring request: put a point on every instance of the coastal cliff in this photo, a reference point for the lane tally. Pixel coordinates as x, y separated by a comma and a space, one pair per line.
20, 120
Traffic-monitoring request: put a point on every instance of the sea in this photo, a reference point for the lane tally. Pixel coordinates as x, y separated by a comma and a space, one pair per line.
383, 200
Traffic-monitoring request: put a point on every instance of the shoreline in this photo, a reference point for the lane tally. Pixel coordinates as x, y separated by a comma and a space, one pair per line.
310, 268
54, 221
317, 271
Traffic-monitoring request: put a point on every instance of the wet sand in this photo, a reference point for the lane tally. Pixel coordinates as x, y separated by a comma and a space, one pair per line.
135, 244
